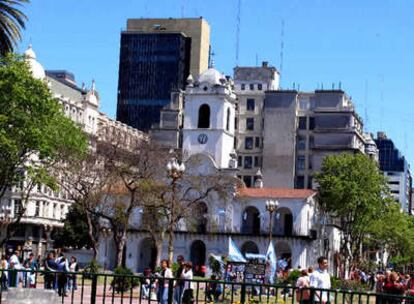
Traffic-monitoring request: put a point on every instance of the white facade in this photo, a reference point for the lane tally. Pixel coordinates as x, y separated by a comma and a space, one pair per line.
399, 184
243, 218
242, 215
209, 118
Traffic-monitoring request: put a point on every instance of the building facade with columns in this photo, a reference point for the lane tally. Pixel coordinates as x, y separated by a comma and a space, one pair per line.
209, 146
46, 209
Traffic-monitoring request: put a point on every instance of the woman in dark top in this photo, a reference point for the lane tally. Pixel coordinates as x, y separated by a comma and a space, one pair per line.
393, 287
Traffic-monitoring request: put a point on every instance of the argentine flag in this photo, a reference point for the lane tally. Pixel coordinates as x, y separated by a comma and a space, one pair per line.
271, 262
234, 253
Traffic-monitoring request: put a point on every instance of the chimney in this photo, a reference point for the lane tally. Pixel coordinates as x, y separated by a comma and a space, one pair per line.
264, 64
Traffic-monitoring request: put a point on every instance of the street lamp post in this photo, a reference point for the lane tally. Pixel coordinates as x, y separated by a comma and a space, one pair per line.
271, 206
106, 232
175, 172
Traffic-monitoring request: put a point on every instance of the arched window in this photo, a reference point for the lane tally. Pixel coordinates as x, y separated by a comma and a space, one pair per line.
204, 117
249, 247
250, 221
228, 120
198, 257
283, 222
200, 216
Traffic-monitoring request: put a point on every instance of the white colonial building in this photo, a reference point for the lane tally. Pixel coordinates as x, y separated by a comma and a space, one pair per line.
208, 144
46, 209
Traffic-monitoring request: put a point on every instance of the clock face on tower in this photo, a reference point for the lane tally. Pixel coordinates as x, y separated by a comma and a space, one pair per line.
202, 138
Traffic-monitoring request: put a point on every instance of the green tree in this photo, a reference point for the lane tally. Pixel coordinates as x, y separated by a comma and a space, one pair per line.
394, 233
12, 20
34, 132
75, 230
354, 193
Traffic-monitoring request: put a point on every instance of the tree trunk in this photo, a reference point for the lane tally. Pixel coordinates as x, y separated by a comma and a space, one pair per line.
158, 244
91, 234
119, 251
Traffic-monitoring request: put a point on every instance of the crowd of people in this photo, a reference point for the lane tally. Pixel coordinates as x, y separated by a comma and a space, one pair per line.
57, 275
155, 286
389, 286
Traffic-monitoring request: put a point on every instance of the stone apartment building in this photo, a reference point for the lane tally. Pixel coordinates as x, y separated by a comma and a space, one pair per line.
250, 84
301, 129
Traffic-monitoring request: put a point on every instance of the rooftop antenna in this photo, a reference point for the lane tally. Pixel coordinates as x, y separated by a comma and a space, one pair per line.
366, 105
257, 60
340, 85
381, 100
238, 31
211, 59
146, 8
405, 139
282, 47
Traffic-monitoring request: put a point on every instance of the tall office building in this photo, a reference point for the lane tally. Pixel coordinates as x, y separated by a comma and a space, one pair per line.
156, 57
396, 169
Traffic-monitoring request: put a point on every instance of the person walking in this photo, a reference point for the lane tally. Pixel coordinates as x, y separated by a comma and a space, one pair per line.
4, 273
50, 267
410, 286
30, 277
394, 288
62, 277
213, 289
320, 279
179, 285
73, 267
163, 282
187, 276
15, 266
302, 285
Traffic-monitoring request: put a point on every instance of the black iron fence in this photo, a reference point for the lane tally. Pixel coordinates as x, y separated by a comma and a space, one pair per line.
90, 288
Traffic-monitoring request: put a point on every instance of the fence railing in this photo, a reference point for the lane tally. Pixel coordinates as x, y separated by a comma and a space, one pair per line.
90, 288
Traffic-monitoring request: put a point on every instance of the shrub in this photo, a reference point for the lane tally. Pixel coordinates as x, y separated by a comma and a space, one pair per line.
293, 277
124, 280
90, 269
349, 285
215, 266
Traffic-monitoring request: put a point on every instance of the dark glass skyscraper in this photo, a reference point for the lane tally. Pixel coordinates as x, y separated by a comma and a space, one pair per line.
151, 66
390, 158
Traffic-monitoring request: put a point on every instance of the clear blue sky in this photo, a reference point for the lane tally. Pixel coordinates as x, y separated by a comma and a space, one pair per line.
367, 45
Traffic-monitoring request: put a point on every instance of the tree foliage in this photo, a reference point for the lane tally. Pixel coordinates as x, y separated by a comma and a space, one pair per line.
34, 132
75, 230
12, 20
354, 193
394, 233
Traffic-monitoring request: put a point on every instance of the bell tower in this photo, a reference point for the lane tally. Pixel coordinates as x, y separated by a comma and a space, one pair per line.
209, 118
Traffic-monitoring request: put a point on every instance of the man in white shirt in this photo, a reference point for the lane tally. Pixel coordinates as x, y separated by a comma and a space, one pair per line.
321, 279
